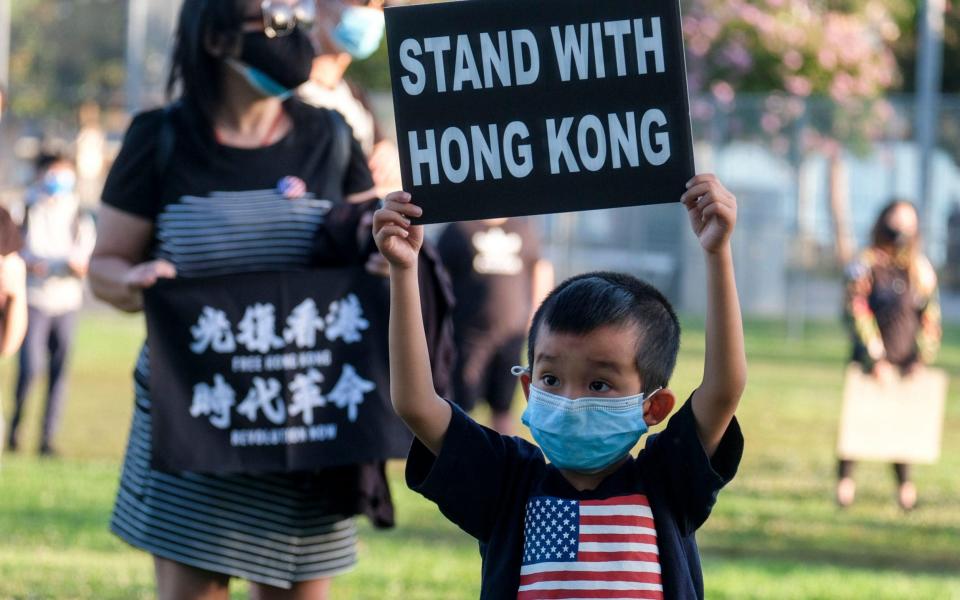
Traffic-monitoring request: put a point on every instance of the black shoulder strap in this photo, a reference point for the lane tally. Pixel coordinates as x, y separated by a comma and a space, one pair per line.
166, 139
342, 139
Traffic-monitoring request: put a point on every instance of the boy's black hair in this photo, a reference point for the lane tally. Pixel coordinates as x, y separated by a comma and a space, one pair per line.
585, 302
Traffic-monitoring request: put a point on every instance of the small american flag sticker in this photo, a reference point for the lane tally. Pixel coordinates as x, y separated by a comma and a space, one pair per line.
589, 549
291, 187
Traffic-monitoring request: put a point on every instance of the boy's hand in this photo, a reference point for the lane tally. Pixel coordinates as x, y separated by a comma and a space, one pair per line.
399, 241
712, 210
411, 380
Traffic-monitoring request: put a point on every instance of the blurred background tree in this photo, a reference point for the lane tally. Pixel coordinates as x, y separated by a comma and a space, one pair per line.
799, 53
374, 72
65, 53
836, 49
905, 47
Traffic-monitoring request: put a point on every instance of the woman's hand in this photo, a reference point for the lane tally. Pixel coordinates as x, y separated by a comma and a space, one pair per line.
712, 210
38, 268
78, 267
117, 263
146, 275
884, 372
399, 241
914, 368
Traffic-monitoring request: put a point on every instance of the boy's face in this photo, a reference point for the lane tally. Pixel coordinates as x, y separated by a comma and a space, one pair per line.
599, 363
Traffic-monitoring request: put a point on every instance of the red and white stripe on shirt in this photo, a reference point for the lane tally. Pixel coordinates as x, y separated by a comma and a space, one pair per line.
590, 549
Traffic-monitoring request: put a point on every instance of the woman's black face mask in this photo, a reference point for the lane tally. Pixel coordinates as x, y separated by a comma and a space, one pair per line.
285, 60
894, 236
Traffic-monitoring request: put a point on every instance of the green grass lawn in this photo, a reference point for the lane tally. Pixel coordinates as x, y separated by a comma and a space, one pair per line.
774, 534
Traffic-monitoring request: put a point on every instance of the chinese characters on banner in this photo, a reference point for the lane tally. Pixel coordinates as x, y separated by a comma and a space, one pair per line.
272, 372
256, 334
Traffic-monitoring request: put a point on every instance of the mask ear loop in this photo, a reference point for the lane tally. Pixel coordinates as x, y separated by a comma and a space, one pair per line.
517, 370
647, 397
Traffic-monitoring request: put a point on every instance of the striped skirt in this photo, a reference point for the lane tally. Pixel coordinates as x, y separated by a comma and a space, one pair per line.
267, 529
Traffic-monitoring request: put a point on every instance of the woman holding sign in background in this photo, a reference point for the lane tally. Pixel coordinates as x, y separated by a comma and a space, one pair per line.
224, 181
894, 318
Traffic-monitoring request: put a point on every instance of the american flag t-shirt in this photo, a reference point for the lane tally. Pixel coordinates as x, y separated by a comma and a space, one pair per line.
589, 549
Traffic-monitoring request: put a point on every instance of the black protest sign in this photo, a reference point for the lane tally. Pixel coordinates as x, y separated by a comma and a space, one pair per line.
507, 107
271, 372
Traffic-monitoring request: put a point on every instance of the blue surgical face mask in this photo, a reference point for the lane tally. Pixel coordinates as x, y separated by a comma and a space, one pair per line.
265, 85
359, 31
59, 182
584, 434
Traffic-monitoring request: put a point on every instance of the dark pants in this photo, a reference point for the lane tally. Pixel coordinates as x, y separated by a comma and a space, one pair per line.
483, 371
900, 470
47, 337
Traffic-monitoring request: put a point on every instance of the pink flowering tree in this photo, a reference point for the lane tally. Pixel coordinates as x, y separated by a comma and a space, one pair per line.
835, 54
795, 50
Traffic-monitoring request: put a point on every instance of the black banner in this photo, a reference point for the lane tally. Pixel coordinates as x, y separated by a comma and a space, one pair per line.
518, 107
271, 372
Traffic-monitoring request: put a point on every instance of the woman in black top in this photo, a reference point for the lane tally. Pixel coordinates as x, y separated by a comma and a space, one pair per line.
234, 177
893, 314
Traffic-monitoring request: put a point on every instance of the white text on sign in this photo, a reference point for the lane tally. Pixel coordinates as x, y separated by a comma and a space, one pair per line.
589, 143
512, 58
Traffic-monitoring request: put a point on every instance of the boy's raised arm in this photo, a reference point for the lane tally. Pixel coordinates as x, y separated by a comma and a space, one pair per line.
713, 213
411, 380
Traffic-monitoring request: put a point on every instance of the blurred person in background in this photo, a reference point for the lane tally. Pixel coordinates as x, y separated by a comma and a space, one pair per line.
235, 129
893, 313
58, 239
91, 151
499, 278
13, 290
344, 31
348, 30
951, 269
13, 287
5, 145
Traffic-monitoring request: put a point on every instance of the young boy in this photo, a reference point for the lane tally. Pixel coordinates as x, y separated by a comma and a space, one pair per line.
594, 522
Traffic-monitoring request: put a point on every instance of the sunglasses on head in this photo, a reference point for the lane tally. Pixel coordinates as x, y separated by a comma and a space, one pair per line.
280, 18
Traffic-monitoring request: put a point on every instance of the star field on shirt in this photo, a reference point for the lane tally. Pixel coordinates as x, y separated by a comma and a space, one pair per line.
586, 549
